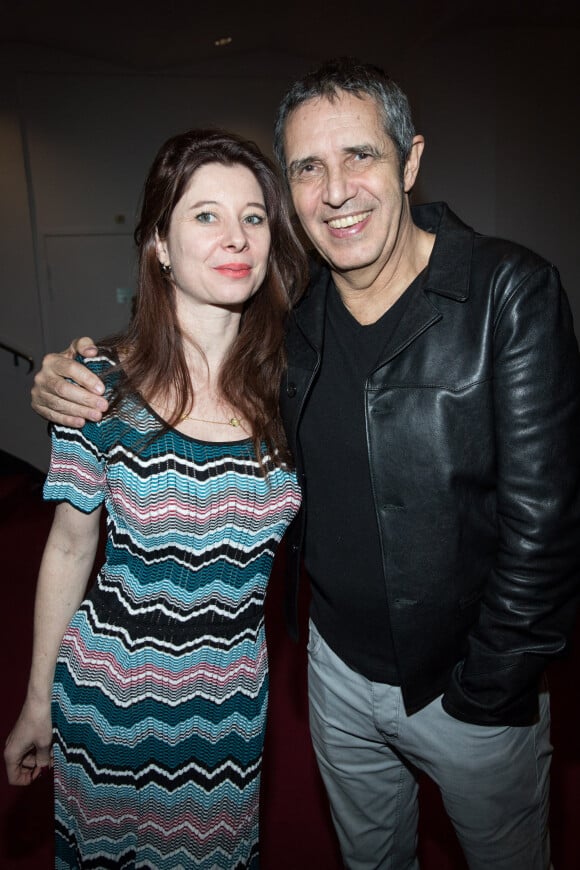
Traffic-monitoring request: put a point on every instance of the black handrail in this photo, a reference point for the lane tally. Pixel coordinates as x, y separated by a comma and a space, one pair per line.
18, 355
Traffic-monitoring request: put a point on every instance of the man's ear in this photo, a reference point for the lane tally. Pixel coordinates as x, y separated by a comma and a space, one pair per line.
413, 163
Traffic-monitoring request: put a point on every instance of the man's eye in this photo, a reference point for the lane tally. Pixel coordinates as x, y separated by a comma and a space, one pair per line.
359, 161
306, 170
205, 217
311, 169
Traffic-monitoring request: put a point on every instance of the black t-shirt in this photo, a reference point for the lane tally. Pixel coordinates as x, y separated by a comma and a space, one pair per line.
342, 549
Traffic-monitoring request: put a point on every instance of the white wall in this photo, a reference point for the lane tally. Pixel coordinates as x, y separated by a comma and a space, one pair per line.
498, 108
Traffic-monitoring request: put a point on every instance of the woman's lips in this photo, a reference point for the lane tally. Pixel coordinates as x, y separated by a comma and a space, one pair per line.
234, 270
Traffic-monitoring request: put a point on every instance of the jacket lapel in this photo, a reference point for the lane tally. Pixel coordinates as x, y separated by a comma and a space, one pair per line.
309, 317
418, 317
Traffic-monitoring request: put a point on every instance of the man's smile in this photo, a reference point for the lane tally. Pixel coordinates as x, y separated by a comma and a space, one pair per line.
341, 223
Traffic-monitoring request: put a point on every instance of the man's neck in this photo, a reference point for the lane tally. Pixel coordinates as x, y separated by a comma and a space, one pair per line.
368, 294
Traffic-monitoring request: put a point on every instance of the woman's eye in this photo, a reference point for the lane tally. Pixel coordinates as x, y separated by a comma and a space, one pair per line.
205, 217
254, 219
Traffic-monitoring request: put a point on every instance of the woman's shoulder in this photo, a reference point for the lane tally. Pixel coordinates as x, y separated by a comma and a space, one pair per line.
105, 360
105, 364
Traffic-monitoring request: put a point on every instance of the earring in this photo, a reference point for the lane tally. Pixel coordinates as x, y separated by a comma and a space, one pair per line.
165, 268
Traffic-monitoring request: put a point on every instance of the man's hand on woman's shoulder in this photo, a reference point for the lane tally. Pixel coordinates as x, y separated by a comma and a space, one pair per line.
65, 391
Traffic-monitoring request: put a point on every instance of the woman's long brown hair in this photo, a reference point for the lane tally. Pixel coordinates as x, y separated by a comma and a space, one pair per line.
153, 359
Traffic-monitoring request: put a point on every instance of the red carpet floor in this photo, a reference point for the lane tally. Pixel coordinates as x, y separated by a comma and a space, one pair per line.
296, 829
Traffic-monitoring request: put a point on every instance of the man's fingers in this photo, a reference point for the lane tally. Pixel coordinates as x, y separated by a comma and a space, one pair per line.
68, 413
56, 367
60, 394
73, 410
69, 420
85, 346
66, 392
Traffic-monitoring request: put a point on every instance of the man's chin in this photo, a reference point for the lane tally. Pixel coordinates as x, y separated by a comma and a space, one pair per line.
343, 266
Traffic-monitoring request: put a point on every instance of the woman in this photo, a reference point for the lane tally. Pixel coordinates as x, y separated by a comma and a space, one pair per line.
159, 676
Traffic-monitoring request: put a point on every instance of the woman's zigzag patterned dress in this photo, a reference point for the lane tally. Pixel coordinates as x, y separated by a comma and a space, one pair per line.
161, 685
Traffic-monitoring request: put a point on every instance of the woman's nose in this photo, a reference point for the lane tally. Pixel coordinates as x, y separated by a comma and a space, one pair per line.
234, 236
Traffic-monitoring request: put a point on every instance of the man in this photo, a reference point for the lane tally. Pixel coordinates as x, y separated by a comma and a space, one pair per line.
432, 402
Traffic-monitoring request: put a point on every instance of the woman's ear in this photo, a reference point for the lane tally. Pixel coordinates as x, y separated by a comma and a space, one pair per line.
161, 250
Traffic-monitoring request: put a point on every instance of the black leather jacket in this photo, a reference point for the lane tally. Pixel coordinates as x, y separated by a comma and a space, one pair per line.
473, 433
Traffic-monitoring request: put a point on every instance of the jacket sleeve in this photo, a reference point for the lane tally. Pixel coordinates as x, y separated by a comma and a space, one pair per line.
529, 601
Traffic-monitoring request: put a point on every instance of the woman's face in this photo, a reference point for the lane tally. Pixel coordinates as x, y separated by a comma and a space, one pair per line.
219, 238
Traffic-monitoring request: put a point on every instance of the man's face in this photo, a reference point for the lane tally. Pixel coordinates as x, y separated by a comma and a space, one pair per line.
346, 183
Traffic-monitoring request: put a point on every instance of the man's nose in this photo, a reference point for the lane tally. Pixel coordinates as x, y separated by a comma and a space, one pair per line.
338, 186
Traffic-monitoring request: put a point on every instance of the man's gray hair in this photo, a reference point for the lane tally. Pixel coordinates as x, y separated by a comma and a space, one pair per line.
354, 77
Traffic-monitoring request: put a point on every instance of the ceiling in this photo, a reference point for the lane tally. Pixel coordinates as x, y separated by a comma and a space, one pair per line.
151, 36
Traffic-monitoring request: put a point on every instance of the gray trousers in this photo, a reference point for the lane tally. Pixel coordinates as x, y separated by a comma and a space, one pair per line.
494, 781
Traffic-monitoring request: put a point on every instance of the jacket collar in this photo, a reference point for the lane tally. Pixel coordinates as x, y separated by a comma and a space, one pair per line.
449, 268
310, 311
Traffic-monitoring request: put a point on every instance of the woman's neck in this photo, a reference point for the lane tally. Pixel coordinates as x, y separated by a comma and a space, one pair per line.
207, 335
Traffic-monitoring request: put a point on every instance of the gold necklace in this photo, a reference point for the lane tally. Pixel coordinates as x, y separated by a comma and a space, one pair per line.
233, 421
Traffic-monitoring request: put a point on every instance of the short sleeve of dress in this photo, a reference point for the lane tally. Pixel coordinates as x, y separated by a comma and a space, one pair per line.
77, 471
